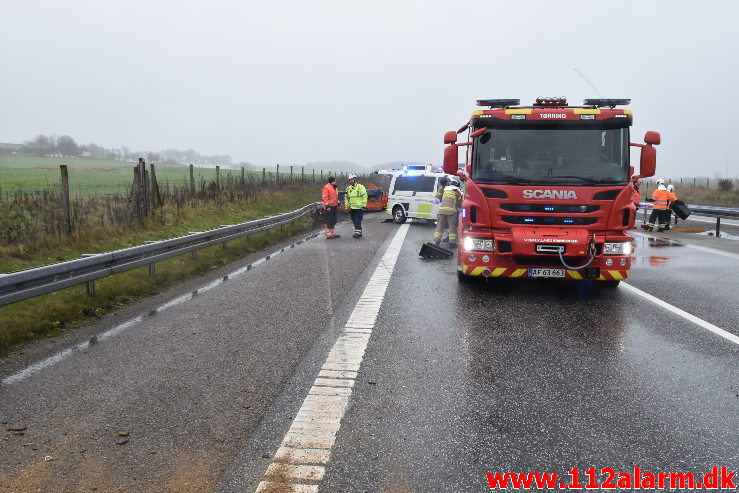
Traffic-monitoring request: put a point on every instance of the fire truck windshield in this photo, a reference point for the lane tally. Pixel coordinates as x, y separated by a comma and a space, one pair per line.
552, 156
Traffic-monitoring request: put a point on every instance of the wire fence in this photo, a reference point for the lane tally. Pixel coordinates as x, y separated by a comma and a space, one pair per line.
86, 200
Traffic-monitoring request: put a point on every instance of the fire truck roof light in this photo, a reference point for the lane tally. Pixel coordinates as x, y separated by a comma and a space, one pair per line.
550, 101
498, 103
606, 102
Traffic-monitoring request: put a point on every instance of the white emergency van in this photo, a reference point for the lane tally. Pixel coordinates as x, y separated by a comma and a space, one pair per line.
412, 192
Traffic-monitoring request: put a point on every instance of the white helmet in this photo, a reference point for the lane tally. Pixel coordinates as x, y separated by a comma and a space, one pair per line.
352, 175
670, 187
453, 180
660, 181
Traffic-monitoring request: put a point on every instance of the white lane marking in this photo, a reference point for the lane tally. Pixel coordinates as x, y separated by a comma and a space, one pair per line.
724, 221
307, 445
694, 247
706, 325
713, 250
61, 355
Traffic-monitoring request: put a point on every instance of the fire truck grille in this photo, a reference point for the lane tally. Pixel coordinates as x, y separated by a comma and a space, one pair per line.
554, 208
550, 221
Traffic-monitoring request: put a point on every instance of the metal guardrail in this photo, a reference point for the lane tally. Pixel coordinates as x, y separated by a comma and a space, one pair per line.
706, 211
29, 283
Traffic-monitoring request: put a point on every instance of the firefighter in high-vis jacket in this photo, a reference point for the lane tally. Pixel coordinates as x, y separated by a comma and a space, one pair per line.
355, 201
451, 201
673, 198
660, 207
330, 197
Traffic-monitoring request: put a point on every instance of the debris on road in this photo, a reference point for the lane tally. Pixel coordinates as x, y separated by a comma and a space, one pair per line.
433, 251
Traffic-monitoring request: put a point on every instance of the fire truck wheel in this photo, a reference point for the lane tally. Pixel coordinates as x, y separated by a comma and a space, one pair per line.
610, 284
398, 214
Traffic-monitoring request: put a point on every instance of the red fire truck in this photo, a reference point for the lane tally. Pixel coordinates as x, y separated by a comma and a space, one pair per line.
547, 189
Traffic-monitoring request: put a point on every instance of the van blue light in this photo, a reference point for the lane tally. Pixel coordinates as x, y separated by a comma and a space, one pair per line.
549, 208
569, 221
529, 220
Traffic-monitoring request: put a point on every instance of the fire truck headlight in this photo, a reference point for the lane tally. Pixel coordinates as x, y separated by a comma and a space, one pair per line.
617, 248
478, 244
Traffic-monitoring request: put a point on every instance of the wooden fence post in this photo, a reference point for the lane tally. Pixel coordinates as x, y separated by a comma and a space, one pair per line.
65, 199
142, 196
277, 180
156, 197
218, 178
192, 181
135, 202
291, 173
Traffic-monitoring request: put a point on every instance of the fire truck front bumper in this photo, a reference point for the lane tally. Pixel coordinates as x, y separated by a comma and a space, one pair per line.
593, 273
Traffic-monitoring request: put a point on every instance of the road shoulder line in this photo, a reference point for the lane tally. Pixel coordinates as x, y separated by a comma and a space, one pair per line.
299, 463
706, 325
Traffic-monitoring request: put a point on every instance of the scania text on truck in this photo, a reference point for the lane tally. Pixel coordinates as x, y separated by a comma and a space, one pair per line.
548, 189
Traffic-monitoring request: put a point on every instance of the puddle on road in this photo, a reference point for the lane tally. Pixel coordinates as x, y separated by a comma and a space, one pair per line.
724, 236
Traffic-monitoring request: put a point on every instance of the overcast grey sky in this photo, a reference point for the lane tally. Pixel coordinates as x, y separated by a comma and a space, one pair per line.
370, 82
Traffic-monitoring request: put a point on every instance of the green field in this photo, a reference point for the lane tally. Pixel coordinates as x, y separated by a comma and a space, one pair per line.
89, 176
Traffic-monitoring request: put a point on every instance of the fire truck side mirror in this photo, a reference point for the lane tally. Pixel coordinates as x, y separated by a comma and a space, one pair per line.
647, 161
451, 157
450, 137
652, 138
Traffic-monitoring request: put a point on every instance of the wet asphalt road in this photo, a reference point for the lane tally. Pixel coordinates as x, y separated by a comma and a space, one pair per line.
457, 380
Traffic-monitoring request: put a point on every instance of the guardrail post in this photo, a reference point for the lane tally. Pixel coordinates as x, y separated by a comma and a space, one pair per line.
718, 227
152, 269
194, 254
90, 285
225, 245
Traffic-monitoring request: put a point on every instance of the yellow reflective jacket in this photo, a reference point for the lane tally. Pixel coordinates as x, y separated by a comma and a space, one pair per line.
356, 196
451, 201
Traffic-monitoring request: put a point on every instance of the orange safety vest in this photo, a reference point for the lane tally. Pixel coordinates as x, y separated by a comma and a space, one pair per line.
330, 195
661, 199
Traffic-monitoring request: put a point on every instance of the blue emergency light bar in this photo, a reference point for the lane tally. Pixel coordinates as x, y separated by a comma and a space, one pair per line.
600, 103
498, 103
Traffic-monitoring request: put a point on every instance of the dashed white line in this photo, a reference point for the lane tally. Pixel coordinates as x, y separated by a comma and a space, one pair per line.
706, 325
298, 465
